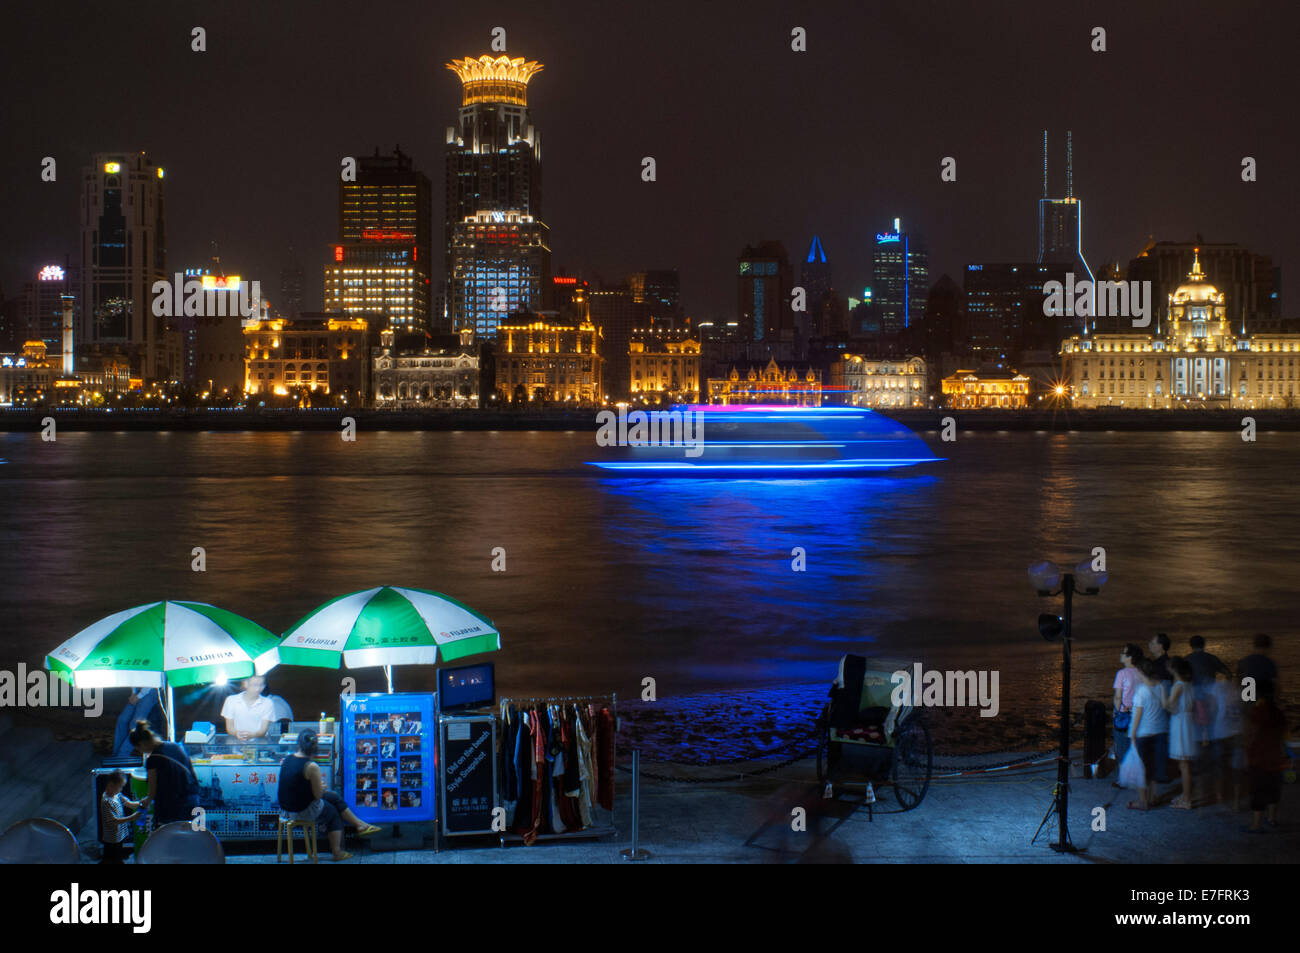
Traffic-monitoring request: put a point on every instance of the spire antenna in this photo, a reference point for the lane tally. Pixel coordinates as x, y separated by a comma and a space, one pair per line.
1044, 163
1069, 164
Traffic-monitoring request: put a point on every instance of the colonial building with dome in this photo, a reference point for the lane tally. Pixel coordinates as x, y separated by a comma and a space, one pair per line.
1192, 358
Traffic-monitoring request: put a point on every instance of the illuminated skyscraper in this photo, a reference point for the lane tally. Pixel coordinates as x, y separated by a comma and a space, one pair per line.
901, 279
763, 294
123, 252
382, 261
1060, 221
41, 314
498, 256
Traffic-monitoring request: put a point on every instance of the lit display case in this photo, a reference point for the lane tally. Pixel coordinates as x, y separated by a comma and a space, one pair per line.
239, 780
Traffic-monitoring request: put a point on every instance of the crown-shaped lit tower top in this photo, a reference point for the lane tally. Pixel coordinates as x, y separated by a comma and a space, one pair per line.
495, 79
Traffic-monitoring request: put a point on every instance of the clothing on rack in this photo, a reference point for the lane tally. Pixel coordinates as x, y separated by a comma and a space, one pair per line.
605, 758
556, 764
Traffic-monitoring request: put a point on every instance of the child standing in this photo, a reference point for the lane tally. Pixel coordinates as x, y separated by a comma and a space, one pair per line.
115, 823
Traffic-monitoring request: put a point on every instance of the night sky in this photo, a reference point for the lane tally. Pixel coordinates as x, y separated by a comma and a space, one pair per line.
752, 141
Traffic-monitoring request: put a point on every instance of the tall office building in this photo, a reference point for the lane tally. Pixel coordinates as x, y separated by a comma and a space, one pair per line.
900, 280
614, 310
815, 273
382, 262
497, 254
290, 300
763, 294
661, 293
1004, 309
123, 252
41, 314
1060, 221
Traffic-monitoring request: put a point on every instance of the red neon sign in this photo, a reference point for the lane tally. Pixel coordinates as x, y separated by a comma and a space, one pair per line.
338, 252
565, 281
382, 235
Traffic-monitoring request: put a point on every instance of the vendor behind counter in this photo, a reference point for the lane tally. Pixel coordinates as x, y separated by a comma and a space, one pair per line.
251, 712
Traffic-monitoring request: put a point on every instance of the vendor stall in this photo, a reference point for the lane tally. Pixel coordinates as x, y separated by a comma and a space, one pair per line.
239, 780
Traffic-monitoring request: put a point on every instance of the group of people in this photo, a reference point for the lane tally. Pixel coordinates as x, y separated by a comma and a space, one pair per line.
1217, 725
174, 787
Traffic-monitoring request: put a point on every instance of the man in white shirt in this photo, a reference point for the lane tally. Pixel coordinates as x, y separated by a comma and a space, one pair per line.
248, 714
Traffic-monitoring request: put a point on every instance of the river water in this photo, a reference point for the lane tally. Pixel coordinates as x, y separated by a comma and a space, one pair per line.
610, 581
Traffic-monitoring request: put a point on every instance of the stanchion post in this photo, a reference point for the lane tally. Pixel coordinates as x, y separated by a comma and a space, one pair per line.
635, 852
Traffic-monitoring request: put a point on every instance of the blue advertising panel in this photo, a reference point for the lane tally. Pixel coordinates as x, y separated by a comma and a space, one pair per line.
389, 756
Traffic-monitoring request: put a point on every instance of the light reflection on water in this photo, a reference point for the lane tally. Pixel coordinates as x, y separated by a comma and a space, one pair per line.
688, 581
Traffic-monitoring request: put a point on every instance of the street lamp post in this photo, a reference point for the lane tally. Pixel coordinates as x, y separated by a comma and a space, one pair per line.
1048, 580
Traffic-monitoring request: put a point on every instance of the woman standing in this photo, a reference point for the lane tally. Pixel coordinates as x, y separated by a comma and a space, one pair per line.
1150, 721
1127, 680
173, 788
1183, 741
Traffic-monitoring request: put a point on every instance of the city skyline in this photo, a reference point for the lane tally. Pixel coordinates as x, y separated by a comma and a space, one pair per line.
255, 203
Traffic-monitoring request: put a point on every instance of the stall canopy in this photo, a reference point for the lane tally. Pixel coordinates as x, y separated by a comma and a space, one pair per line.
165, 645
386, 626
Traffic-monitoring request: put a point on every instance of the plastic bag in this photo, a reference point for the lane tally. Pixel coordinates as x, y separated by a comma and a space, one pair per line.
1132, 774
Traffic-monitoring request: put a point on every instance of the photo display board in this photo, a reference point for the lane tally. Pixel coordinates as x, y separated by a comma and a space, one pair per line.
389, 757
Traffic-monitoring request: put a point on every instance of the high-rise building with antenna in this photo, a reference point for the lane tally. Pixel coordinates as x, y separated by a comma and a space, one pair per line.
1060, 220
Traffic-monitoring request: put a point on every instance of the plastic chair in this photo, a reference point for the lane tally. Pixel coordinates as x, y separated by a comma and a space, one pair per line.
179, 843
286, 826
38, 840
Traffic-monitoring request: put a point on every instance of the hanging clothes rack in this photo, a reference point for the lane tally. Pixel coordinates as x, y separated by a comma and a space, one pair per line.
605, 825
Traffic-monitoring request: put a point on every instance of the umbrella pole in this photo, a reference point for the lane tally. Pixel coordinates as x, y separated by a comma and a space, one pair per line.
171, 716
388, 670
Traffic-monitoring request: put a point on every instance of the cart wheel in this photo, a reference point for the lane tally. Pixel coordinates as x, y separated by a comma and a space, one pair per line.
912, 763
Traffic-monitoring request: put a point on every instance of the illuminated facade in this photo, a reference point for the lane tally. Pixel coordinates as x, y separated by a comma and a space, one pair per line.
550, 362
378, 280
27, 377
983, 389
445, 377
324, 353
799, 386
1193, 359
380, 267
497, 261
665, 365
497, 249
886, 382
123, 252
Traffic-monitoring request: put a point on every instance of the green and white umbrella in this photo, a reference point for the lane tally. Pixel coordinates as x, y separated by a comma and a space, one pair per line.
165, 645
388, 625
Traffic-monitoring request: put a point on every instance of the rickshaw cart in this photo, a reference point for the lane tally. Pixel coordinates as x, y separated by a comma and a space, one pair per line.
865, 737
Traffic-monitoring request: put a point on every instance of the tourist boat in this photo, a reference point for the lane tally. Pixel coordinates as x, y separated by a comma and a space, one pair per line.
756, 440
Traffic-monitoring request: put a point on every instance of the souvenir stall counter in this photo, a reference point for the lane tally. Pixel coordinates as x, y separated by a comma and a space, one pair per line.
239, 780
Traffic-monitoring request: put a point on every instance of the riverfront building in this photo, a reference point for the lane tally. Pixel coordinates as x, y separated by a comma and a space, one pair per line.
322, 353
986, 388
428, 375
545, 361
1195, 356
880, 383
665, 366
770, 383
